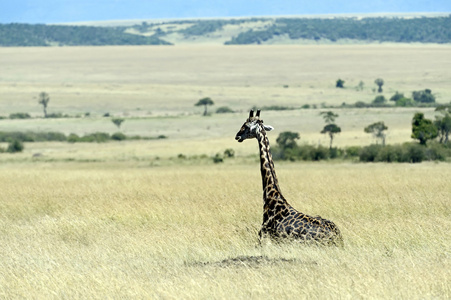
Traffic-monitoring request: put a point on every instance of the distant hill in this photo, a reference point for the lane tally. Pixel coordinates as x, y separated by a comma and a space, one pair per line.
20, 35
238, 31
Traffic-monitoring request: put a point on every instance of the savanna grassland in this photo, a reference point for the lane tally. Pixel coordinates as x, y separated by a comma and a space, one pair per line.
135, 219
91, 231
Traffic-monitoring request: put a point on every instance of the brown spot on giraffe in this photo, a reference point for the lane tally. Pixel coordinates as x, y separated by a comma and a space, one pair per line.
280, 219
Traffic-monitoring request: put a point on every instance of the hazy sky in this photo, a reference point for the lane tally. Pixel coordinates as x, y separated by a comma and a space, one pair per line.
57, 11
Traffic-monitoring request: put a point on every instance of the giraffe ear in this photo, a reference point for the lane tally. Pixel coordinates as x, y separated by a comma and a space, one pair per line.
268, 127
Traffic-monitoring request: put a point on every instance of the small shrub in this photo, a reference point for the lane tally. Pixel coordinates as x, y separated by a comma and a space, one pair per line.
218, 158
224, 110
404, 102
15, 146
56, 115
118, 136
50, 137
360, 104
229, 153
19, 116
379, 101
396, 96
97, 137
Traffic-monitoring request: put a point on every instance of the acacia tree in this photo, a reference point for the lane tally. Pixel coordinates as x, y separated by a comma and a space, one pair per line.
328, 116
44, 101
117, 122
331, 128
380, 83
423, 129
443, 123
205, 102
377, 129
340, 84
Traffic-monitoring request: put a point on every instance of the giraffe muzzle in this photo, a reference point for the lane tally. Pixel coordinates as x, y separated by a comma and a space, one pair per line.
239, 138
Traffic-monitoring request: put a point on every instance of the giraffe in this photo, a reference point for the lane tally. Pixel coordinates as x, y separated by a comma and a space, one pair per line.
280, 219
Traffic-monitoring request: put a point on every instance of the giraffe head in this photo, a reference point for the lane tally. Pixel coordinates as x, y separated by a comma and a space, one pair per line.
251, 127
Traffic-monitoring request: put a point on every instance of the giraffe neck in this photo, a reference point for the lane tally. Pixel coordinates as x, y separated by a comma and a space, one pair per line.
271, 188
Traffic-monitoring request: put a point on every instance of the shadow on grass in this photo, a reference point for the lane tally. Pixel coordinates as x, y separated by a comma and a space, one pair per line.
252, 261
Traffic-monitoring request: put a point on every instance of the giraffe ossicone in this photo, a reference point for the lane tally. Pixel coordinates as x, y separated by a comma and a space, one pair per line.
280, 220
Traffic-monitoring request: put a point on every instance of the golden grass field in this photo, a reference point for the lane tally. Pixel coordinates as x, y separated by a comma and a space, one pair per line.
94, 231
129, 219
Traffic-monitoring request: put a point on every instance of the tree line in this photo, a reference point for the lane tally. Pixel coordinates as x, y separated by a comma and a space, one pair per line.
398, 30
24, 35
381, 29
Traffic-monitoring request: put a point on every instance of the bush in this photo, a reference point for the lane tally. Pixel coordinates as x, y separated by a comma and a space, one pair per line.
73, 138
19, 116
32, 136
379, 101
50, 137
224, 110
15, 146
319, 153
436, 151
415, 153
390, 153
360, 104
403, 102
97, 137
425, 96
218, 158
229, 152
118, 136
334, 152
396, 96
369, 153
56, 115
352, 151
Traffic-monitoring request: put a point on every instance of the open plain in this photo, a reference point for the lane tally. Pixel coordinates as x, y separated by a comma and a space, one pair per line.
158, 219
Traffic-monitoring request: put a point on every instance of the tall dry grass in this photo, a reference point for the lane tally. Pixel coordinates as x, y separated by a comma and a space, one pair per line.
93, 231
